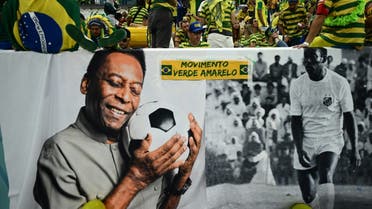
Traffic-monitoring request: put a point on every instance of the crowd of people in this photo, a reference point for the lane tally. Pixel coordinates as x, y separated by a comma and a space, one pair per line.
262, 23
244, 120
250, 23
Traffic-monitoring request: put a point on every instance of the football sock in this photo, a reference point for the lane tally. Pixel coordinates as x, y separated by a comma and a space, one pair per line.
80, 38
326, 195
315, 203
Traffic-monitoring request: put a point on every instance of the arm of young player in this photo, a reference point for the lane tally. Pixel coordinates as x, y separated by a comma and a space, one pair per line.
146, 168
171, 201
350, 126
297, 133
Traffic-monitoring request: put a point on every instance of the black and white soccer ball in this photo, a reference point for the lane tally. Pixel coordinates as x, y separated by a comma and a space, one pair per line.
162, 121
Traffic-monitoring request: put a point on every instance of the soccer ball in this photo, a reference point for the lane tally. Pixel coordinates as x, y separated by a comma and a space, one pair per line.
161, 120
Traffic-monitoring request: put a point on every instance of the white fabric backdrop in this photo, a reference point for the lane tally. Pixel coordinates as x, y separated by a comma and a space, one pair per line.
40, 96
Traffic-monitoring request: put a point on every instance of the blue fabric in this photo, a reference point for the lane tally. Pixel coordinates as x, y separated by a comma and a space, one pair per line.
281, 44
40, 33
5, 45
4, 183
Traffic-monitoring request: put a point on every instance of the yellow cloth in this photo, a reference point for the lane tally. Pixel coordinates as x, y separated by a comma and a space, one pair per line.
320, 42
216, 8
94, 204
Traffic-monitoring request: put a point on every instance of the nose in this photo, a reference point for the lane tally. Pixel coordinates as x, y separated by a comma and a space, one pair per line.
123, 94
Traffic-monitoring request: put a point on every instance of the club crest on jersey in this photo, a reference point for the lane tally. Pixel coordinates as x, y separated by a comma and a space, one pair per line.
327, 101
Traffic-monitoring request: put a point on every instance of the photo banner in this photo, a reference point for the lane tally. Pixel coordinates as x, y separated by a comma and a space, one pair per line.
41, 96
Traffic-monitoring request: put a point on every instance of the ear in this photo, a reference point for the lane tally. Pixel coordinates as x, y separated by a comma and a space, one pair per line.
84, 84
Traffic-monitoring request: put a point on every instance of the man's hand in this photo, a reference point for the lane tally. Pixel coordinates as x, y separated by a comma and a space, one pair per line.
304, 158
355, 160
194, 146
148, 166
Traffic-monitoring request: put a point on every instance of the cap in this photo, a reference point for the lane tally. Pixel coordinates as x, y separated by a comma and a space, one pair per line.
196, 27
292, 1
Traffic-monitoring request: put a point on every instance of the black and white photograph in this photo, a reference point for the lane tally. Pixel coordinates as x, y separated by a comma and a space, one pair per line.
298, 131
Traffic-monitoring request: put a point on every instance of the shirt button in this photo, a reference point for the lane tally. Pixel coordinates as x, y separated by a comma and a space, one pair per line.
155, 188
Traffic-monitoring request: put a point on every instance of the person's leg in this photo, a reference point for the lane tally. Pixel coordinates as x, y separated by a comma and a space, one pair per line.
307, 180
327, 163
164, 28
151, 29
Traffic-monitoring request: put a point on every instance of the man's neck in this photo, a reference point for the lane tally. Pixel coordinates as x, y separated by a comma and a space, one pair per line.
320, 76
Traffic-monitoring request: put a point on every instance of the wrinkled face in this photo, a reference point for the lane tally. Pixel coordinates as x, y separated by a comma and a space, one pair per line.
114, 94
95, 30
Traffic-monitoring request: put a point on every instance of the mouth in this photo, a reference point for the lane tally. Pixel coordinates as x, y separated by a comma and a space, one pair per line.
116, 110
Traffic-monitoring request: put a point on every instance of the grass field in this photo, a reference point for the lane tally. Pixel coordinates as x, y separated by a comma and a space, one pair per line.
260, 196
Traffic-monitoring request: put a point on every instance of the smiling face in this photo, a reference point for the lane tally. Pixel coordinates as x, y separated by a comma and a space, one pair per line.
114, 93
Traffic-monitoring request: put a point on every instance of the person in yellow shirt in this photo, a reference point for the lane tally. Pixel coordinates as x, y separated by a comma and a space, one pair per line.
261, 14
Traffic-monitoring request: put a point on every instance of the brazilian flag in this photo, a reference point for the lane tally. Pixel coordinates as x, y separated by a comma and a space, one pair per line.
4, 184
243, 70
39, 25
166, 70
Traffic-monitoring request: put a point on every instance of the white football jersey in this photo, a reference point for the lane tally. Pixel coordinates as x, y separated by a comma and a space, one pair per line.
321, 104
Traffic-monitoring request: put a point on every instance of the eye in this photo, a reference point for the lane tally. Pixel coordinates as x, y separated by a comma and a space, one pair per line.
114, 83
136, 88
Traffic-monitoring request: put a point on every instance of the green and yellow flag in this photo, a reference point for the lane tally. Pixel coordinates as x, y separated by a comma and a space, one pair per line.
39, 25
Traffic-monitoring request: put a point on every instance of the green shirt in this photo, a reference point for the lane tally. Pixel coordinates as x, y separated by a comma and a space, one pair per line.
188, 45
218, 15
350, 34
141, 14
162, 3
289, 19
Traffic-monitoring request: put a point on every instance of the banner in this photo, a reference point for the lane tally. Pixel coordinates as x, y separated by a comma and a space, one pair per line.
205, 70
240, 98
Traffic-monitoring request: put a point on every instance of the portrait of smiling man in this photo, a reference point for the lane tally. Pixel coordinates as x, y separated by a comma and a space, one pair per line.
91, 161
